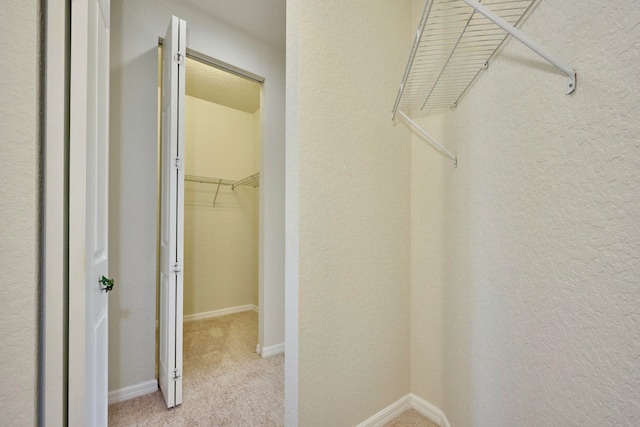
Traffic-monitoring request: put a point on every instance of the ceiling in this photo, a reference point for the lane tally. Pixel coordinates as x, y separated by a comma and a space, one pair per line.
265, 19
211, 84
220, 87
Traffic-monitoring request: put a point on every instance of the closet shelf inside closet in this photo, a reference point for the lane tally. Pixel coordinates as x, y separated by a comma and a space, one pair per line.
455, 41
250, 181
208, 180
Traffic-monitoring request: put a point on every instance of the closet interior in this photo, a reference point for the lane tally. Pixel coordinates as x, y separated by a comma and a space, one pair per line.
222, 159
221, 201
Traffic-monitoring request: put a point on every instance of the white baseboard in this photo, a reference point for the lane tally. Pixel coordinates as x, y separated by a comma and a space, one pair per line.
133, 391
388, 413
409, 401
428, 410
272, 350
218, 313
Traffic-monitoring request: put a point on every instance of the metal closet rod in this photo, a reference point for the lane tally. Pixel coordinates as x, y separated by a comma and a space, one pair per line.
519, 35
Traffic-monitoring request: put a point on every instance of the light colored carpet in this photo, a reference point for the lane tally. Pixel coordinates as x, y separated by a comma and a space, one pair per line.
225, 383
411, 418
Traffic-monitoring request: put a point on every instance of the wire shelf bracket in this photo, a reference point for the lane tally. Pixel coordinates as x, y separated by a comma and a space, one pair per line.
454, 43
431, 140
521, 37
250, 181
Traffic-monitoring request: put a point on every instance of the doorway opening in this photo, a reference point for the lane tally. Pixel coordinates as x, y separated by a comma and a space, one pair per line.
222, 143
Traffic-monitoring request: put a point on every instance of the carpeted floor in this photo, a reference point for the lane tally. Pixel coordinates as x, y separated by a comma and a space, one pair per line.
411, 418
225, 383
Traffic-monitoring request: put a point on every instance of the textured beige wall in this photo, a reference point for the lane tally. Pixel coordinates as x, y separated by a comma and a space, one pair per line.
428, 249
354, 209
542, 244
18, 204
220, 240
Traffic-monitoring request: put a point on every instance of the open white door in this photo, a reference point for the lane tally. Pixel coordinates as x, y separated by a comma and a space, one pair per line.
172, 216
88, 213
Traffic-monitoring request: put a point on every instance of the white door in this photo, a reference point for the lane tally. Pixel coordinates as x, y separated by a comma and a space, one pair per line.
88, 213
172, 212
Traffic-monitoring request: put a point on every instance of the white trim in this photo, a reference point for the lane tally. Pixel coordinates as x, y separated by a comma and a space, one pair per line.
410, 401
272, 350
133, 391
429, 410
445, 421
221, 312
388, 413
52, 400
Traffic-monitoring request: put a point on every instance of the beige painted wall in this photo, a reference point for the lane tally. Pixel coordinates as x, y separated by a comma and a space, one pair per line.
428, 248
538, 261
220, 240
428, 280
354, 208
18, 206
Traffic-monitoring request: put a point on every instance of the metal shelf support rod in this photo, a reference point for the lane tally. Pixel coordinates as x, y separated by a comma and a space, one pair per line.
429, 138
216, 196
571, 74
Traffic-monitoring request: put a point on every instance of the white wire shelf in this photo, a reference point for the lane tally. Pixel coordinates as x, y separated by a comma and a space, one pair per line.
455, 42
208, 180
250, 181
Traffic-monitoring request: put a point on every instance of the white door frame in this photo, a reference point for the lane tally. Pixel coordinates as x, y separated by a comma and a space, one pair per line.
53, 400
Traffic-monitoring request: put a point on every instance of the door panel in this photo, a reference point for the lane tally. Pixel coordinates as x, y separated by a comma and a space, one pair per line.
88, 213
172, 207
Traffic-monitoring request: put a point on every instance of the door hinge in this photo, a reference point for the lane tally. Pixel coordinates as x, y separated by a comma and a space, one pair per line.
179, 58
177, 267
176, 374
178, 163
